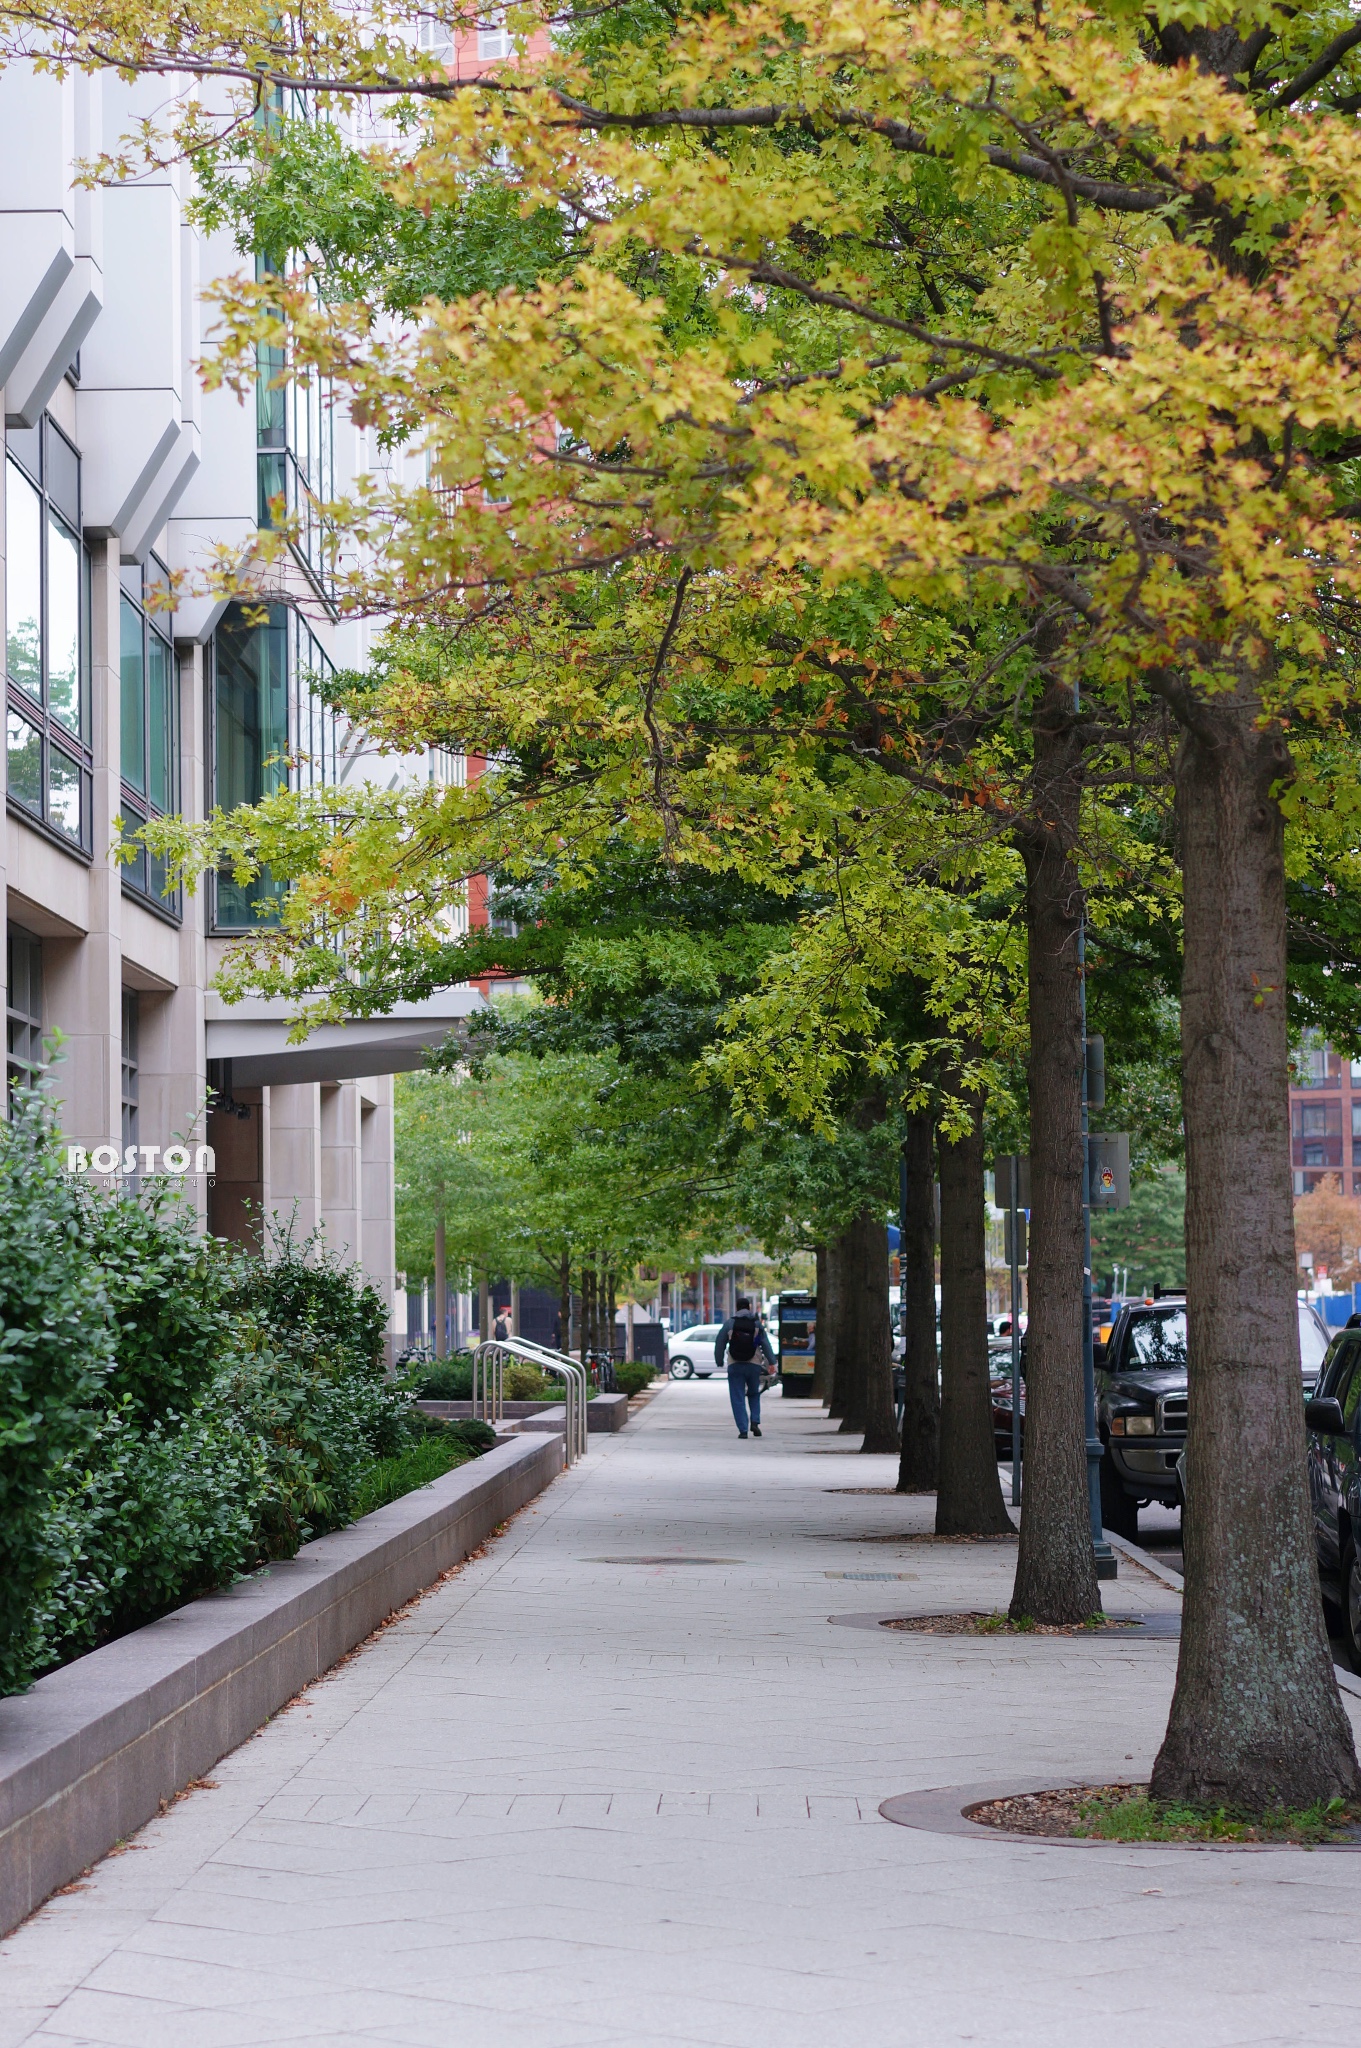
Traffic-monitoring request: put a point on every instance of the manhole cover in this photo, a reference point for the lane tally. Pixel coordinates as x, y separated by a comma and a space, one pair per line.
661, 1560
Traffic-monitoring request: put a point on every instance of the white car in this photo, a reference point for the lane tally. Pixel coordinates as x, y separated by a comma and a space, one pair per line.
690, 1353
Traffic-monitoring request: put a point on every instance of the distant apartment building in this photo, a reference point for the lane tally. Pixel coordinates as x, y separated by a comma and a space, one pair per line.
119, 469
1325, 1121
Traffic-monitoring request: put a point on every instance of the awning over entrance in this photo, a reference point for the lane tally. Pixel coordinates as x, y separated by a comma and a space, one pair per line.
254, 1036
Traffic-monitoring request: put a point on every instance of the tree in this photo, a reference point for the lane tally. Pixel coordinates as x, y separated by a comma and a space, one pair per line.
1055, 1568
1031, 405
969, 1496
918, 1459
1328, 1224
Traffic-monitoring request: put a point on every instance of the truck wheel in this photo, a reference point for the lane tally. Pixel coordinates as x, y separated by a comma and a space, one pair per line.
1119, 1512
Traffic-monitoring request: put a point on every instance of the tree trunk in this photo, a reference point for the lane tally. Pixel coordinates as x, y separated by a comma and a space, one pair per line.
1256, 1719
441, 1290
843, 1360
919, 1458
565, 1302
852, 1362
969, 1493
876, 1332
824, 1332
1055, 1568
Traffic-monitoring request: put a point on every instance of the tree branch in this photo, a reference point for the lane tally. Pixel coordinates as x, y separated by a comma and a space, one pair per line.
1312, 74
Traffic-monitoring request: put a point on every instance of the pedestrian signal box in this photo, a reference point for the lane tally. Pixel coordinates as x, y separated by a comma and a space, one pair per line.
796, 1346
1108, 1153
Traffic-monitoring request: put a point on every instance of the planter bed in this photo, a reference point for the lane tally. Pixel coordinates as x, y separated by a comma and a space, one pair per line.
89, 1754
603, 1412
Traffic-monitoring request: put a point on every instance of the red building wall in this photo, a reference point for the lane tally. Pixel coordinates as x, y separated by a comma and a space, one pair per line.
1325, 1122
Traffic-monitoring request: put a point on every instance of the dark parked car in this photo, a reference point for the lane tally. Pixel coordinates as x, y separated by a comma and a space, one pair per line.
999, 1374
1332, 1419
1141, 1404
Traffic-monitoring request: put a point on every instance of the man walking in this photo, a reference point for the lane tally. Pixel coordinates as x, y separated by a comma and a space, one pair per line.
745, 1343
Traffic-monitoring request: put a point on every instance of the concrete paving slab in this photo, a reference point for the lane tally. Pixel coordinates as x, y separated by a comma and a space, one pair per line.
564, 1803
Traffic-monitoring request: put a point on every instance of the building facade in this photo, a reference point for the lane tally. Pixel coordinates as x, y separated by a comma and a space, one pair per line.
119, 469
1325, 1121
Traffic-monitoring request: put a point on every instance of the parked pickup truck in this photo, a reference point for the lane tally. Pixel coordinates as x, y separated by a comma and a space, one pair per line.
1141, 1404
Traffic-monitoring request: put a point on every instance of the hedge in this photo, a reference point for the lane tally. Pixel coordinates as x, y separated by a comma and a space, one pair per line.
175, 1411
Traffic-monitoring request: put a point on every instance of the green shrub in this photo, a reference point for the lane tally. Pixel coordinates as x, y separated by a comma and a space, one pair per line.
526, 1383
631, 1379
322, 1426
170, 1292
56, 1355
153, 1517
449, 1379
478, 1436
426, 1459
302, 1290
174, 1411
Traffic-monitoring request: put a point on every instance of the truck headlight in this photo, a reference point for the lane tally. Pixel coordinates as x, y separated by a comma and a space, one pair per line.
1139, 1425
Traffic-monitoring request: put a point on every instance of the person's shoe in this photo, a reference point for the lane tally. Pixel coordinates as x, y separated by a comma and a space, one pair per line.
756, 1429
742, 1435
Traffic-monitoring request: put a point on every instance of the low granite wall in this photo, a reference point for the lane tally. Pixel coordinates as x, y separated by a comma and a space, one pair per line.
603, 1412
88, 1755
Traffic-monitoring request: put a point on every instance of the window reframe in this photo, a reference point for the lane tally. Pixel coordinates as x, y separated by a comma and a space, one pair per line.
137, 806
53, 449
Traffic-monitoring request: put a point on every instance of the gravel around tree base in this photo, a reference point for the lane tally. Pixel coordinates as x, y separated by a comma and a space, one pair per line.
1125, 1813
1000, 1625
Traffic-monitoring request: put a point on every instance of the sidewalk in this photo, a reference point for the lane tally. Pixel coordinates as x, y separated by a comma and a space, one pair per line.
578, 1796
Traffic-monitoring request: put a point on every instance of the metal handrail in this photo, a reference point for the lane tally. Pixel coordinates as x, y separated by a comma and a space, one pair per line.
489, 1362
576, 1378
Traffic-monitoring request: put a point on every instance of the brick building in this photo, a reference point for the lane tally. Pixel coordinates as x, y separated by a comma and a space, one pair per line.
1325, 1121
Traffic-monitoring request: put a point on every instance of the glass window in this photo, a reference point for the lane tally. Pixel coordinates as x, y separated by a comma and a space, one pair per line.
63, 624
61, 473
63, 792
295, 451
250, 740
436, 37
46, 634
160, 723
271, 729
1316, 1064
24, 762
1157, 1341
1338, 1366
148, 727
23, 583
132, 694
493, 40
130, 1066
23, 1007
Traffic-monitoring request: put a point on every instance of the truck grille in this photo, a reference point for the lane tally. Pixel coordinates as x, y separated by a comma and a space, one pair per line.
1172, 1415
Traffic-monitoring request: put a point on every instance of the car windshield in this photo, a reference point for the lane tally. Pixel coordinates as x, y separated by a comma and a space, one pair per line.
1157, 1342
1313, 1345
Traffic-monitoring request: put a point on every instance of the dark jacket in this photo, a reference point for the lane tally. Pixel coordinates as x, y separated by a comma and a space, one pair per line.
737, 1364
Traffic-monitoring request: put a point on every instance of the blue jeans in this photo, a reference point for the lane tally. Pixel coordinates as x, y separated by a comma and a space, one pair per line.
744, 1384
